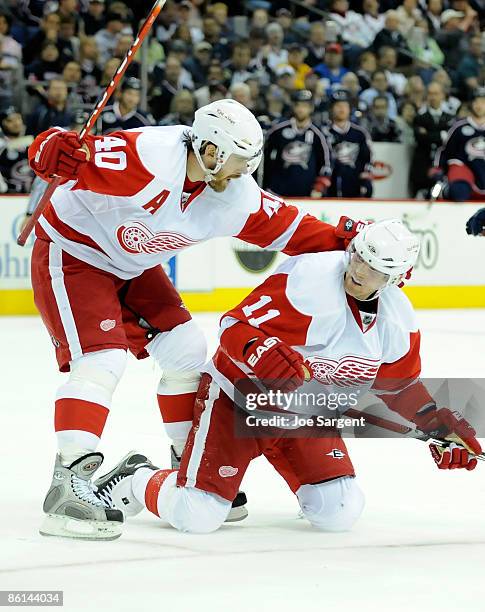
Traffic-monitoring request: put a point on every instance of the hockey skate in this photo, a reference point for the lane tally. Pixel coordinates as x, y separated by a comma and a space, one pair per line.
73, 510
238, 511
114, 488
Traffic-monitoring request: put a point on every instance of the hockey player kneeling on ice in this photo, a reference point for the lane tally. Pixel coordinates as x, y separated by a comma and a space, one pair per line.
318, 313
127, 203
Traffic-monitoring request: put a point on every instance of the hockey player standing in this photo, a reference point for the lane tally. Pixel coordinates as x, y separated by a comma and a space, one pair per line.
297, 159
462, 156
338, 316
351, 151
127, 203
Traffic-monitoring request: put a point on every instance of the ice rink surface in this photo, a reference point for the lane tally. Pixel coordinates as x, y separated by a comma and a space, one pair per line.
420, 544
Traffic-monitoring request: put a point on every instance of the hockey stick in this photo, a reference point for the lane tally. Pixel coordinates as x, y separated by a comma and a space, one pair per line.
100, 104
405, 430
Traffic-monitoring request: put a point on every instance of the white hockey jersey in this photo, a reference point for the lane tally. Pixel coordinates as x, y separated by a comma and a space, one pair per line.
305, 305
127, 211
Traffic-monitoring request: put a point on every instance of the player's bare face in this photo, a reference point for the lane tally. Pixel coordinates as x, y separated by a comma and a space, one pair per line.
234, 168
360, 280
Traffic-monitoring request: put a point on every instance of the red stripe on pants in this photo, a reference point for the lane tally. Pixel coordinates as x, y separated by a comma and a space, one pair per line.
80, 415
153, 489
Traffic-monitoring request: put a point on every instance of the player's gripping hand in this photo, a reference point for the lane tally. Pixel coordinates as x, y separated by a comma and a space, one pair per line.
60, 154
322, 183
444, 424
476, 223
347, 228
275, 363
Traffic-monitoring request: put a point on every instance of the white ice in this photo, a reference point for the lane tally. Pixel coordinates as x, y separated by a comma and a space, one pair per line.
419, 545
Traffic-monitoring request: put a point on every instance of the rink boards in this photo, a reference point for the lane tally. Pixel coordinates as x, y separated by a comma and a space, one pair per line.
215, 275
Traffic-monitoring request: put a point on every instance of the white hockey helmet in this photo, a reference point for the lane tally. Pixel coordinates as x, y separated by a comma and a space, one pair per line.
232, 128
388, 247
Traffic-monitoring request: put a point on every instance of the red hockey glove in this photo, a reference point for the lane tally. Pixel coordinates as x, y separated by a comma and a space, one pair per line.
435, 173
275, 363
60, 154
444, 424
320, 186
347, 228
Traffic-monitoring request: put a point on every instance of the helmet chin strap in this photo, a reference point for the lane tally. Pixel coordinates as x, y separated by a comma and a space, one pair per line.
208, 174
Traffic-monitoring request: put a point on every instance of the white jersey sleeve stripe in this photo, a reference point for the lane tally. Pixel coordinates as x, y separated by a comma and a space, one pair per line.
62, 301
280, 243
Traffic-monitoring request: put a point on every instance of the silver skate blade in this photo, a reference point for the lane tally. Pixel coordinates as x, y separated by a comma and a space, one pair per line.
237, 514
66, 527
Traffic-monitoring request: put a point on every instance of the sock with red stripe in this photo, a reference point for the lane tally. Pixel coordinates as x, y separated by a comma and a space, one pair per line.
151, 488
176, 397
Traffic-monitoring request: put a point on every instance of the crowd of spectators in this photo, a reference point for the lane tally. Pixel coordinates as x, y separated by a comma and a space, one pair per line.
408, 69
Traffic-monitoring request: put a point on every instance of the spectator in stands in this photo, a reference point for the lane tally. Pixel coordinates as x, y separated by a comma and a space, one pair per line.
451, 103
167, 22
285, 79
48, 32
107, 37
124, 113
71, 74
93, 19
374, 20
254, 85
296, 59
48, 66
297, 160
257, 40
15, 173
275, 107
408, 14
215, 76
219, 11
182, 109
52, 111
390, 36
351, 84
430, 128
433, 15
316, 44
405, 122
68, 9
10, 50
185, 19
238, 65
350, 25
426, 50
284, 19
259, 19
332, 71
272, 53
387, 61
351, 149
213, 35
164, 91
109, 70
471, 68
10, 61
198, 64
377, 122
241, 92
67, 41
415, 91
452, 38
379, 86
367, 67
88, 59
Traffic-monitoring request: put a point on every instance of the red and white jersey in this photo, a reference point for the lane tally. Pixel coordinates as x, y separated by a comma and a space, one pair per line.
305, 305
127, 211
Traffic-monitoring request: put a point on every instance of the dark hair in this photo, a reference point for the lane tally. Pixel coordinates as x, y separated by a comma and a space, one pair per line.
380, 98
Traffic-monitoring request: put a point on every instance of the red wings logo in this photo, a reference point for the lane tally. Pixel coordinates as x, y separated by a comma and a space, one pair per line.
349, 371
138, 238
